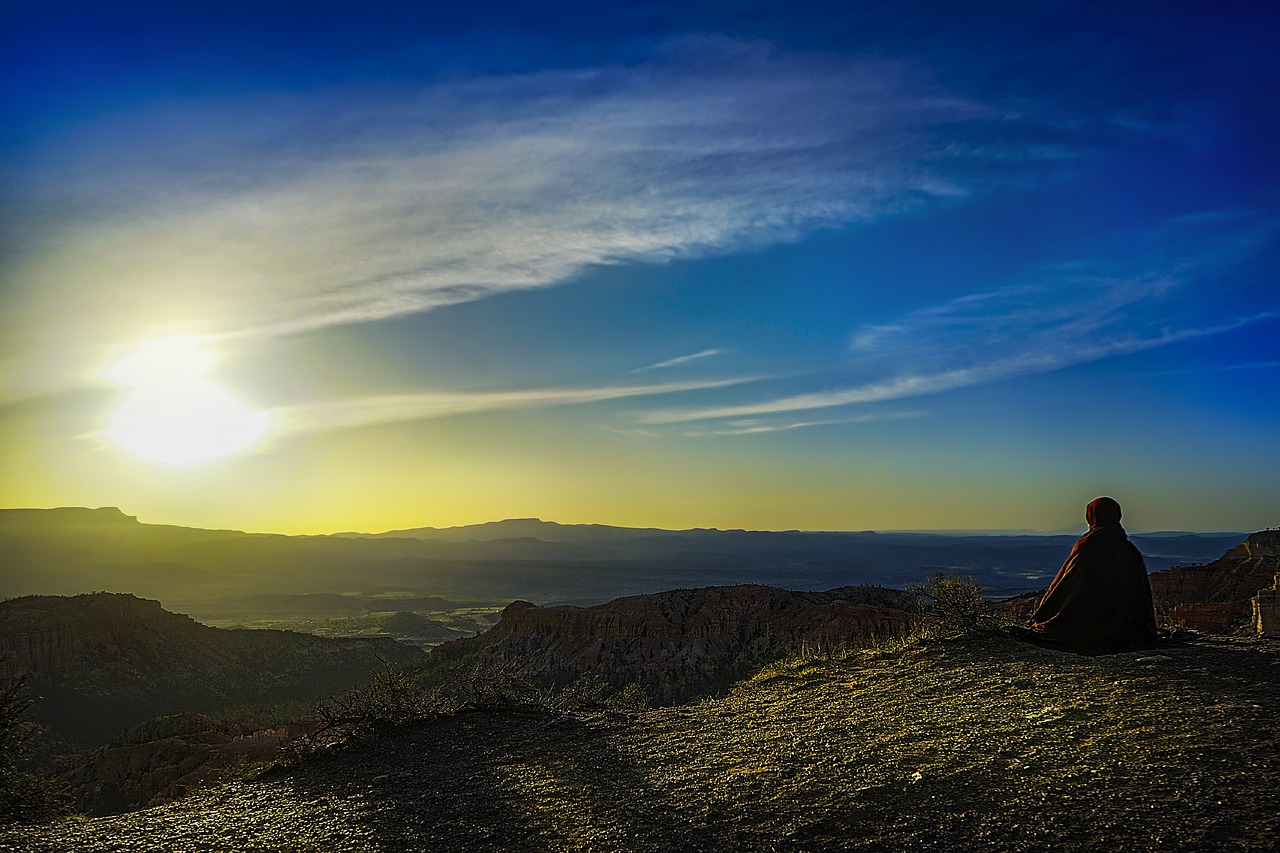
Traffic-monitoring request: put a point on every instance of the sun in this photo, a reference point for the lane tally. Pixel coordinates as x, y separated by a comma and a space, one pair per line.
174, 414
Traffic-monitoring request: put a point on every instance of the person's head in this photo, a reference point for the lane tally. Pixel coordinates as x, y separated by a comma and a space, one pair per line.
1102, 511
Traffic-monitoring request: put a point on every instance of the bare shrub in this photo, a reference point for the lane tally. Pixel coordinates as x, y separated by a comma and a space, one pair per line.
398, 696
24, 797
394, 697
951, 605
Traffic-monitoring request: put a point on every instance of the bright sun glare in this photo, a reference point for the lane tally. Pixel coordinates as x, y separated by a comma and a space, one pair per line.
174, 414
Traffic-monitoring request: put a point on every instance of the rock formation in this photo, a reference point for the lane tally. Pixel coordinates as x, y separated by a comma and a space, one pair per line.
678, 644
167, 758
105, 661
1219, 596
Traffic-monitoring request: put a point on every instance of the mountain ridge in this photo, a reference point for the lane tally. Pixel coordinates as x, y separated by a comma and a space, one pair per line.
567, 531
75, 550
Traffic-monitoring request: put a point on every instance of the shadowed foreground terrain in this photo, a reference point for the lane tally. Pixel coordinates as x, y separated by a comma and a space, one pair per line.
973, 744
104, 661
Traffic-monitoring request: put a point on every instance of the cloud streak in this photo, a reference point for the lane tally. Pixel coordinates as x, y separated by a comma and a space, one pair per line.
683, 359
993, 336
754, 427
394, 408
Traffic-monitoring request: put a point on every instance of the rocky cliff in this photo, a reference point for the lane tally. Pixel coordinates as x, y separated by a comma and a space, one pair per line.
1218, 596
167, 758
678, 644
105, 661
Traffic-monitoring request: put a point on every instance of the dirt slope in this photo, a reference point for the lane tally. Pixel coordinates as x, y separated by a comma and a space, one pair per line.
944, 745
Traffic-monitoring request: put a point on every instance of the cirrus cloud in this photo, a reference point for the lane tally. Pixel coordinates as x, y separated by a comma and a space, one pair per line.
283, 213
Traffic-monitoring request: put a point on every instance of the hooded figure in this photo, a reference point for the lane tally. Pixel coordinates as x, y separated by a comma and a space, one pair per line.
1100, 600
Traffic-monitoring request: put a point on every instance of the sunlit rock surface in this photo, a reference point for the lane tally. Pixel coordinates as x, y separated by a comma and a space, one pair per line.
1218, 596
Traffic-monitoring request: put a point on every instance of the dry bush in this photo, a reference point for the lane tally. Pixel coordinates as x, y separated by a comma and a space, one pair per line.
951, 605
397, 696
394, 697
24, 797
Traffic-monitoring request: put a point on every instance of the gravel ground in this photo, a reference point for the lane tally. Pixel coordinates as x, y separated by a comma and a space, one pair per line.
981, 744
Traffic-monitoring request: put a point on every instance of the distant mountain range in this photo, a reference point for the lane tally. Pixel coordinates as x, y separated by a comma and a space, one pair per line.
552, 531
522, 528
74, 550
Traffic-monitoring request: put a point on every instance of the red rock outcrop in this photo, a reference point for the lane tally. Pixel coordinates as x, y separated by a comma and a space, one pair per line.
1219, 596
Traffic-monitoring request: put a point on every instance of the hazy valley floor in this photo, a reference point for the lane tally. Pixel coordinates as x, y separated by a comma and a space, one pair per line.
986, 744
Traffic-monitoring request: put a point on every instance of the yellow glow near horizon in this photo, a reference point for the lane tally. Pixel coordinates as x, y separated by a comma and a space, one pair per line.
175, 415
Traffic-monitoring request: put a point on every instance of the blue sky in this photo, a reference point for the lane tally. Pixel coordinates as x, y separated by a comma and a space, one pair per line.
837, 266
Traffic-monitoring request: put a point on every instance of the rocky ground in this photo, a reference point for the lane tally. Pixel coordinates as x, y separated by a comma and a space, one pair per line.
939, 745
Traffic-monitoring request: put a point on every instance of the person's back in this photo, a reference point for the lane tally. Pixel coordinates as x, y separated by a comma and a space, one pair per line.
1100, 600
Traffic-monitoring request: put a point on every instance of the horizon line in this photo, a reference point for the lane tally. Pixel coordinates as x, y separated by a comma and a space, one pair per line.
925, 531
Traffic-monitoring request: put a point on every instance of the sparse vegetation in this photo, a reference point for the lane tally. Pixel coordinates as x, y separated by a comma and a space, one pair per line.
952, 605
24, 797
394, 697
398, 696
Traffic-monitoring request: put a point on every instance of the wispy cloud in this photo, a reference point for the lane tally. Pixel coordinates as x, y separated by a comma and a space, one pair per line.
392, 408
993, 336
755, 427
1215, 368
285, 213
683, 359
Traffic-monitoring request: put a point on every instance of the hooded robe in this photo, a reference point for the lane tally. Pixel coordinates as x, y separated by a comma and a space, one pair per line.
1100, 600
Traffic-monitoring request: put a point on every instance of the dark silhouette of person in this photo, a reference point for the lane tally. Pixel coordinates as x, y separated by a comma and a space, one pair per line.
1100, 600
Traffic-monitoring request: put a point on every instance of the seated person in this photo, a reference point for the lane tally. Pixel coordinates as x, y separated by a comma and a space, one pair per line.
1100, 600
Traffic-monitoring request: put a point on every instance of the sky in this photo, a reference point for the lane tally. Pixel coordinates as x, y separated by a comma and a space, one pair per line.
826, 266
